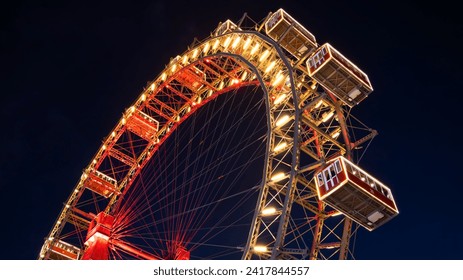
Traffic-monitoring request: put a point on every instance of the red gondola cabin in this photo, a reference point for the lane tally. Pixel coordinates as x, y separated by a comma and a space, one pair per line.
356, 194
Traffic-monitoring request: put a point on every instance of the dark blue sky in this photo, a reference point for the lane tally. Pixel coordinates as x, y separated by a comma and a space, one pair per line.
69, 69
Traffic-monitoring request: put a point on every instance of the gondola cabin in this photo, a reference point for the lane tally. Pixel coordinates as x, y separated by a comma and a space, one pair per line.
356, 194
60, 250
338, 75
226, 27
100, 183
290, 34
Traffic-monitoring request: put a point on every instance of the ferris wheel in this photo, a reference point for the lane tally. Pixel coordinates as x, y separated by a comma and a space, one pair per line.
244, 147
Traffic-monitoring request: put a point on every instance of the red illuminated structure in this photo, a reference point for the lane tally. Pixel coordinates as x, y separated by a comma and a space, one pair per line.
355, 193
99, 240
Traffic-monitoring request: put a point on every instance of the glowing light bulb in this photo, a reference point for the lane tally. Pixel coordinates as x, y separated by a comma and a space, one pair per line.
234, 81
206, 48
280, 146
244, 75
195, 53
270, 67
216, 44
247, 43
227, 42
279, 99
336, 133
264, 55
260, 249
327, 116
278, 177
282, 120
185, 60
236, 42
278, 79
255, 48
269, 211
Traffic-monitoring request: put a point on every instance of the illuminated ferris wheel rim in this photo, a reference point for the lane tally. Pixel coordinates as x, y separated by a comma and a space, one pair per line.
164, 79
233, 58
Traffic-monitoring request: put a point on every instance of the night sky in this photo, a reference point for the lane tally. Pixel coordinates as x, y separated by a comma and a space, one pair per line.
69, 69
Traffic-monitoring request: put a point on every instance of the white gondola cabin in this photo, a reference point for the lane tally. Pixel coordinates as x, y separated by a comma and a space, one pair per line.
291, 35
356, 194
227, 26
338, 75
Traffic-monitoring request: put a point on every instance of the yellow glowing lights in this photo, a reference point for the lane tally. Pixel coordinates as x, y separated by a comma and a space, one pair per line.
270, 66
174, 67
244, 75
278, 177
280, 147
132, 109
282, 120
143, 97
216, 44
319, 103
123, 121
336, 133
163, 76
327, 116
255, 48
234, 81
279, 99
269, 211
210, 92
113, 134
103, 147
236, 42
221, 85
260, 249
314, 85
264, 55
195, 53
185, 60
227, 42
152, 87
278, 79
206, 48
247, 43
